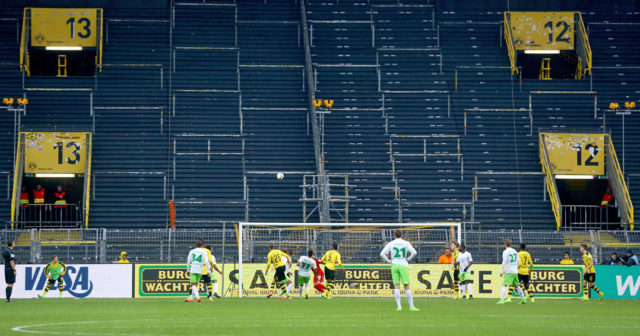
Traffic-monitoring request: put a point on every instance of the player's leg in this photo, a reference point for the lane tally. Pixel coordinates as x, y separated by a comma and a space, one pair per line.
396, 277
50, 283
10, 279
272, 287
586, 286
302, 281
595, 288
330, 276
215, 287
60, 285
206, 279
456, 284
405, 280
469, 289
463, 293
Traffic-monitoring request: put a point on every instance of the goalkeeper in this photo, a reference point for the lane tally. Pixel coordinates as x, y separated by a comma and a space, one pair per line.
54, 271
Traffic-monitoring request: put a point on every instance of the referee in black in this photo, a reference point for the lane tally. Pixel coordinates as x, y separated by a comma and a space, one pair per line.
9, 268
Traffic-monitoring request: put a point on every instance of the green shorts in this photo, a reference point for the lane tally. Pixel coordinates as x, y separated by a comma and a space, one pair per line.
400, 274
214, 275
303, 280
510, 279
195, 278
465, 276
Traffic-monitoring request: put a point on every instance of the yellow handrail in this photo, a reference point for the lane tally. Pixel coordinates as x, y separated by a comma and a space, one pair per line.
511, 49
23, 40
584, 43
615, 171
550, 182
99, 60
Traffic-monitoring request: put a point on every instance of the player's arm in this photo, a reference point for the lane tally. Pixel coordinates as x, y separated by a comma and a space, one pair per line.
385, 254
470, 263
339, 261
189, 257
505, 262
268, 264
46, 271
208, 263
412, 253
64, 268
590, 263
324, 258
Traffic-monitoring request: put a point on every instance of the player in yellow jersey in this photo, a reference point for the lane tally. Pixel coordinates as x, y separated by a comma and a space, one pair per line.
455, 247
211, 281
524, 272
275, 258
330, 259
589, 273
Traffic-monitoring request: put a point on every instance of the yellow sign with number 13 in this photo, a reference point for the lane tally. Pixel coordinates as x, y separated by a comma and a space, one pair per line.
55, 152
69, 27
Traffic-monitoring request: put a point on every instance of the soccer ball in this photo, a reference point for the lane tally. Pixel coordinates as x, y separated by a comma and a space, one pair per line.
280, 176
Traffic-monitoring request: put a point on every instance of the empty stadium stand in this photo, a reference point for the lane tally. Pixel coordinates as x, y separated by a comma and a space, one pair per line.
203, 102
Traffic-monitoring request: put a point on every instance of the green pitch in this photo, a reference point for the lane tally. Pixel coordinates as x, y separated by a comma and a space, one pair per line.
340, 316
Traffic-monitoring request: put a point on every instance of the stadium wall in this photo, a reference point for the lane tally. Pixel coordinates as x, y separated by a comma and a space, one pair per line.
619, 282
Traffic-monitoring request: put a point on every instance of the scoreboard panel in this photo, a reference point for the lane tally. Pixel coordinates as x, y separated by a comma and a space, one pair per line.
575, 153
55, 152
68, 27
543, 30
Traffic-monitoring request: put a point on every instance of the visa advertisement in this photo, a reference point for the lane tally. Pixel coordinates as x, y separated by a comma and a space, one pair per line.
80, 281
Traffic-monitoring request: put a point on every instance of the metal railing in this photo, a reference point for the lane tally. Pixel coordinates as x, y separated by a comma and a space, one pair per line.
49, 216
172, 246
585, 216
618, 184
583, 49
550, 181
511, 48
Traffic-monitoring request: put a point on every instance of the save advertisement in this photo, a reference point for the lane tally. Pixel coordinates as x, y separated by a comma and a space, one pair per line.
619, 282
362, 280
80, 281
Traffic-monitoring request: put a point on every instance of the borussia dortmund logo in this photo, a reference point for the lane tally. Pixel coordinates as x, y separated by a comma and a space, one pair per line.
39, 38
33, 165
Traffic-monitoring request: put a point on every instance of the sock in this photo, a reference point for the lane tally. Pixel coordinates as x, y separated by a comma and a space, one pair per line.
455, 289
510, 291
195, 293
60, 286
209, 290
300, 291
503, 293
396, 293
330, 285
215, 287
469, 289
409, 297
320, 287
586, 290
524, 289
290, 287
462, 290
273, 285
520, 292
306, 288
283, 288
8, 291
597, 290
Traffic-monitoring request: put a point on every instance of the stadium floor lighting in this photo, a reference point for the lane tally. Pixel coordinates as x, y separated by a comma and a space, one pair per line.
56, 175
574, 177
542, 52
64, 48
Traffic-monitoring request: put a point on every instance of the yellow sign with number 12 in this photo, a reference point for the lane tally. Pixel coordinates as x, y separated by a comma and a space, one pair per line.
575, 153
68, 27
55, 152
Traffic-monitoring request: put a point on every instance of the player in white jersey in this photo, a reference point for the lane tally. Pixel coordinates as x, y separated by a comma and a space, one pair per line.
401, 253
465, 261
306, 266
510, 262
198, 258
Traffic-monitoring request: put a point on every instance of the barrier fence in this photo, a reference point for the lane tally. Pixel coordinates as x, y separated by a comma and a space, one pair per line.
103, 246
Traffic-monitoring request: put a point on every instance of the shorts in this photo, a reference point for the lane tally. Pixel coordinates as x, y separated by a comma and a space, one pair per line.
465, 276
303, 280
590, 277
9, 276
53, 281
330, 274
206, 278
456, 275
400, 274
195, 278
524, 279
510, 279
280, 273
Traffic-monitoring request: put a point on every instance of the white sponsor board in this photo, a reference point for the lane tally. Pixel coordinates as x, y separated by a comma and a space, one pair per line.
80, 281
